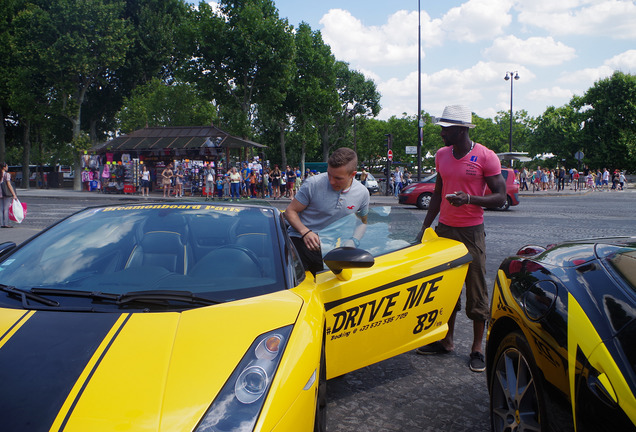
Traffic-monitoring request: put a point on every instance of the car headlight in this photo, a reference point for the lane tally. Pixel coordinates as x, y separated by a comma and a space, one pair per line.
408, 189
238, 404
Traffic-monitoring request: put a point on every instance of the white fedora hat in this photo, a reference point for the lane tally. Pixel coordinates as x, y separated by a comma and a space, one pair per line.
456, 115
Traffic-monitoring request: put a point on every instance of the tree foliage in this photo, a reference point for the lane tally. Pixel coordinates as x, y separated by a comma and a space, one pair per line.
608, 112
159, 104
71, 69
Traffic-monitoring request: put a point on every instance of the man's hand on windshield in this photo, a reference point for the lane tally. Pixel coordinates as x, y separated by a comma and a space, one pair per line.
312, 241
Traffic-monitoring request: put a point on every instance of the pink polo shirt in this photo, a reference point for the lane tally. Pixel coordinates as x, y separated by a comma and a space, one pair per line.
467, 174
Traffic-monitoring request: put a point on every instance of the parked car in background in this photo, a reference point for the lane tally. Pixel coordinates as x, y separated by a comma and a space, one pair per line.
561, 343
419, 194
371, 183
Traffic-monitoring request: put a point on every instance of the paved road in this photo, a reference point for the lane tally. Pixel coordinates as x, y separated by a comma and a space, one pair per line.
411, 392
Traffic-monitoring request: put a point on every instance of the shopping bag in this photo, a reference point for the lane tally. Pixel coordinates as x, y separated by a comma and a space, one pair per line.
17, 211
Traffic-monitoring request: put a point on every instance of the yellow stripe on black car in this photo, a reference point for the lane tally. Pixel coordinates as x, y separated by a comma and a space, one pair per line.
583, 336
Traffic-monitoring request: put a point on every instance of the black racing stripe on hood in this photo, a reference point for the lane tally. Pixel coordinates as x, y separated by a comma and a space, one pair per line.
42, 361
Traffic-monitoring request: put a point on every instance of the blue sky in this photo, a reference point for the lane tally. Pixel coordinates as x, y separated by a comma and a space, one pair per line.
559, 48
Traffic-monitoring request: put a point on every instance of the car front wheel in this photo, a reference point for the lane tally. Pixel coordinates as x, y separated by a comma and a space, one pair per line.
506, 205
516, 396
424, 200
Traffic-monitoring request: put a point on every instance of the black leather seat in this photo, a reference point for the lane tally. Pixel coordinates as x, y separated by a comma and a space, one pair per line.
228, 261
165, 249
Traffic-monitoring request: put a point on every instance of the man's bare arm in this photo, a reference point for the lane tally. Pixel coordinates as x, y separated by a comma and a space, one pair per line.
311, 239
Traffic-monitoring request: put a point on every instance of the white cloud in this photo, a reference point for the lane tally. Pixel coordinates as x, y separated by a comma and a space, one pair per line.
477, 20
612, 18
392, 43
540, 51
586, 77
481, 85
625, 62
549, 94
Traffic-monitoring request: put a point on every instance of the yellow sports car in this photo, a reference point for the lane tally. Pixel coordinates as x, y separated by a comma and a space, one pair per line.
197, 317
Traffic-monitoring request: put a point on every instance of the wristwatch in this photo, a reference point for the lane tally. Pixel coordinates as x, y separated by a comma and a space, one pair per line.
355, 241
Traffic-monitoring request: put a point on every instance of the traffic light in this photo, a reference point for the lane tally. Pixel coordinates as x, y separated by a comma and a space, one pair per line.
389, 141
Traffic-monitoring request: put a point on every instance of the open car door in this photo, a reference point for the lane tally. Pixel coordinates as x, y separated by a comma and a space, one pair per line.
400, 303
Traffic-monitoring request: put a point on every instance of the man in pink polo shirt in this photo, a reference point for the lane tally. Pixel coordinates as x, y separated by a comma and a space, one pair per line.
464, 169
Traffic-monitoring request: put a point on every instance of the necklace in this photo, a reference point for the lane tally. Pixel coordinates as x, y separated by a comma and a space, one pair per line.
472, 144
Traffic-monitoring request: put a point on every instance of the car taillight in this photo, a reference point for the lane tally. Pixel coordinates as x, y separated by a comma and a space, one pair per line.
531, 250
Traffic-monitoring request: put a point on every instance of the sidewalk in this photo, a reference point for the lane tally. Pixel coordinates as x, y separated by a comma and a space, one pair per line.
377, 199
63, 193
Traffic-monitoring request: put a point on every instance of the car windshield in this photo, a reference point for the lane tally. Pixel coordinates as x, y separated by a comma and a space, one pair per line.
388, 229
430, 179
226, 252
216, 253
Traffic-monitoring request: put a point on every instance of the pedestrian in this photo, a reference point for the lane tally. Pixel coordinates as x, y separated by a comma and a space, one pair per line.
605, 180
291, 182
267, 185
275, 177
235, 184
621, 180
209, 175
166, 176
575, 179
397, 181
324, 199
178, 182
220, 183
524, 178
144, 178
7, 195
561, 179
252, 182
363, 177
464, 169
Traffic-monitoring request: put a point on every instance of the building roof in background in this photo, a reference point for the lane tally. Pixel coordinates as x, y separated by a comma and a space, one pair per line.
177, 137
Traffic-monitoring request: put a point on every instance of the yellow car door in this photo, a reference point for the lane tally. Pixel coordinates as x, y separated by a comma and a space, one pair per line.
400, 303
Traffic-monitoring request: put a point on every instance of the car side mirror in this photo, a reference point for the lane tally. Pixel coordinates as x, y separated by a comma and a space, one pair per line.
6, 247
344, 258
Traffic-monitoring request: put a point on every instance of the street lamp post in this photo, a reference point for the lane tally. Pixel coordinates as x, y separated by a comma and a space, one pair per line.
419, 95
353, 112
510, 76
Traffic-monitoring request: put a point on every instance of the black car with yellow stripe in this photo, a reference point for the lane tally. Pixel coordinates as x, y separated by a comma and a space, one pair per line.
561, 346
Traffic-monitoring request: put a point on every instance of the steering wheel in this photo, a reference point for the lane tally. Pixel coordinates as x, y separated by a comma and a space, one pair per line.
249, 253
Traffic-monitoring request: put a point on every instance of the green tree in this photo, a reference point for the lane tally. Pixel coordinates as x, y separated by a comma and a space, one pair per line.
159, 104
492, 134
371, 142
7, 58
78, 43
243, 58
312, 96
557, 131
30, 101
608, 110
499, 137
155, 51
358, 96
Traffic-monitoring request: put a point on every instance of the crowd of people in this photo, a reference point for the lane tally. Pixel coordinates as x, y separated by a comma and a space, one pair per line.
252, 180
544, 179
